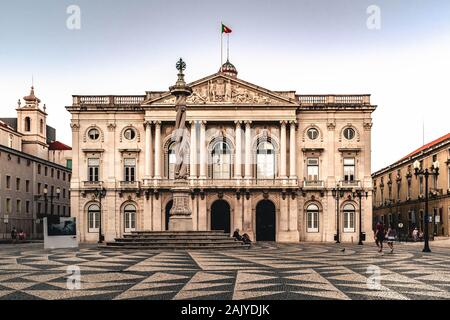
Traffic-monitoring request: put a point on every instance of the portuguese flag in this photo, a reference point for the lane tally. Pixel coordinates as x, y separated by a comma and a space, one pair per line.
225, 29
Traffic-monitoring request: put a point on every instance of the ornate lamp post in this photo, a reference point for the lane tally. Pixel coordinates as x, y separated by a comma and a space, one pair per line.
180, 214
51, 196
337, 193
99, 194
358, 194
419, 171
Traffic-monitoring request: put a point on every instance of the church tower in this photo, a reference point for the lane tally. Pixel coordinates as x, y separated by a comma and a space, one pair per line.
32, 123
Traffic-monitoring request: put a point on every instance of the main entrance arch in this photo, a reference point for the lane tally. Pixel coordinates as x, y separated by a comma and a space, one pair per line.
168, 208
220, 216
265, 221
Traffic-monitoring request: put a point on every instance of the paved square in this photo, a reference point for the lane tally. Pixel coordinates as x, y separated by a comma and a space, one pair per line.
266, 271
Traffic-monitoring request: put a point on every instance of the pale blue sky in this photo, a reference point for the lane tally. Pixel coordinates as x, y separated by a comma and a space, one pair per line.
311, 46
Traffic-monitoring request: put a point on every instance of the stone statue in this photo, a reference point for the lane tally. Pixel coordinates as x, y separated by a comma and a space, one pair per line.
181, 135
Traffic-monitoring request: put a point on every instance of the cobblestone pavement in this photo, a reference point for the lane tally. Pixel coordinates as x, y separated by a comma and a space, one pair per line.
266, 271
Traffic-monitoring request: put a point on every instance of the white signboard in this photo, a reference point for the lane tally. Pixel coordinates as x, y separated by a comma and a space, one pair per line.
60, 233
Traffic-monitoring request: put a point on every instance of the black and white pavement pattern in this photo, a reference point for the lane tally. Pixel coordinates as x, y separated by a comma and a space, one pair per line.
271, 271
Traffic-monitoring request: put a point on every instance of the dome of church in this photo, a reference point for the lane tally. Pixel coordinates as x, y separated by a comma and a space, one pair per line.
31, 97
229, 69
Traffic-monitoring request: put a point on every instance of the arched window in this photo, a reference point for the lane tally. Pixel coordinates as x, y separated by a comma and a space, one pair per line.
349, 218
27, 124
312, 216
130, 218
265, 161
221, 161
42, 126
171, 161
93, 218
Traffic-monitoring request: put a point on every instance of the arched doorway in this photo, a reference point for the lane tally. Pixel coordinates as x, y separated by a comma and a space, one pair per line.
220, 216
168, 208
265, 221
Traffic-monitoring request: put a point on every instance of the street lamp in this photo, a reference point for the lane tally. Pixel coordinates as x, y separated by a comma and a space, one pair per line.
358, 194
51, 196
337, 193
419, 171
99, 194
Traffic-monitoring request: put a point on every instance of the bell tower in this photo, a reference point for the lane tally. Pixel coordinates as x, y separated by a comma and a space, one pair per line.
32, 123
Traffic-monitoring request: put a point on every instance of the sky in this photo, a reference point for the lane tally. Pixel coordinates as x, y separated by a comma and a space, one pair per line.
310, 46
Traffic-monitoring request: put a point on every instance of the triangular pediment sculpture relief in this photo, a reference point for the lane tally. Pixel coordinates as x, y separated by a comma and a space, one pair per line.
220, 89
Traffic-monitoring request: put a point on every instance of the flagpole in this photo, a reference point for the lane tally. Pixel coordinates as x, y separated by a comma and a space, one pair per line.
228, 47
221, 47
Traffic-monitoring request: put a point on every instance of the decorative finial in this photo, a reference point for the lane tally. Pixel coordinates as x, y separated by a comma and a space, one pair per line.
45, 107
19, 103
181, 65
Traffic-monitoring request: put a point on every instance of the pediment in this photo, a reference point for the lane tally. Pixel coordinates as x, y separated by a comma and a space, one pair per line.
222, 89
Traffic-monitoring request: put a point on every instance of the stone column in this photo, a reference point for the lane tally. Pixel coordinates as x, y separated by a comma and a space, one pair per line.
148, 150
238, 156
283, 150
248, 151
292, 151
157, 149
193, 151
203, 161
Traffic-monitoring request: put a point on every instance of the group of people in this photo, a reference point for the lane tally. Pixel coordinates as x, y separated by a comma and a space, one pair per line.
244, 238
381, 235
21, 235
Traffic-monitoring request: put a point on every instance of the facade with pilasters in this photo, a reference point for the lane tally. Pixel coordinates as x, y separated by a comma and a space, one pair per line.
264, 162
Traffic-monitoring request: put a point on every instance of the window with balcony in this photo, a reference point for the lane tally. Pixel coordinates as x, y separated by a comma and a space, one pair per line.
130, 169
93, 169
312, 169
349, 169
349, 218
93, 218
312, 214
221, 161
265, 161
130, 218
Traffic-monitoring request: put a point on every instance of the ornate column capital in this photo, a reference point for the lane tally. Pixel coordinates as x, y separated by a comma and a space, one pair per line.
283, 122
147, 124
238, 123
157, 122
75, 127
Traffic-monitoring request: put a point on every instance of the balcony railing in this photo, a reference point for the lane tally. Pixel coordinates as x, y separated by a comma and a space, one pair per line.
129, 184
350, 183
225, 183
107, 100
92, 184
313, 184
363, 99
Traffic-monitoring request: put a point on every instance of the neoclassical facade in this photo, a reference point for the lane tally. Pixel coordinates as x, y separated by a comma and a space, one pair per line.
265, 162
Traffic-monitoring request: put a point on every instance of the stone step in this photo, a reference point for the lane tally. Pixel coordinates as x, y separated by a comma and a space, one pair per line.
210, 246
174, 241
183, 237
178, 233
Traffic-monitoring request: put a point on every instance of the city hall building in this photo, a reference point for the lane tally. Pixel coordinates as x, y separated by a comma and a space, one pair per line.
277, 165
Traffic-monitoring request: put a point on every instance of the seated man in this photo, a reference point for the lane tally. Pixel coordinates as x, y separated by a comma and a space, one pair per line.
246, 239
236, 235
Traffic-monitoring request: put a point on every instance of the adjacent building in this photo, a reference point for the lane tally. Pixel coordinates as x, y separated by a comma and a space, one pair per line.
270, 163
34, 172
399, 196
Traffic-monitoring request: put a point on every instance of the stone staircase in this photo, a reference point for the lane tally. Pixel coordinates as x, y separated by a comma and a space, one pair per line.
176, 240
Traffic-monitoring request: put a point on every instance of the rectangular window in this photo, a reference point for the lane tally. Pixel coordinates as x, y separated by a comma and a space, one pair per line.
46, 171
58, 174
39, 188
93, 169
408, 190
18, 184
69, 163
8, 182
18, 206
313, 221
130, 169
27, 207
64, 176
349, 169
64, 210
313, 169
52, 173
58, 209
27, 185
8, 206
39, 169
64, 193
349, 221
421, 192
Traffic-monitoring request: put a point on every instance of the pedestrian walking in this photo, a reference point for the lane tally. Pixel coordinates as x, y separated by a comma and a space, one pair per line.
379, 236
391, 236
